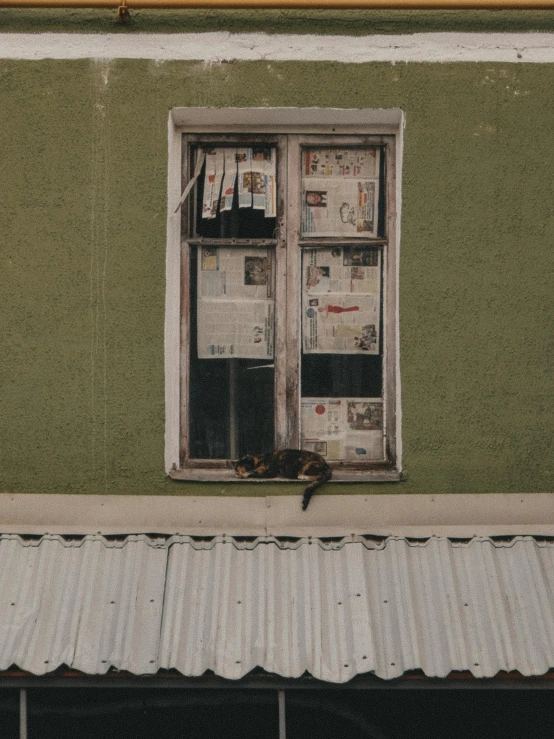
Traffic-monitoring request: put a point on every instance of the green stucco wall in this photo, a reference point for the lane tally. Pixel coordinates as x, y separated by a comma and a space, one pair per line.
82, 277
317, 20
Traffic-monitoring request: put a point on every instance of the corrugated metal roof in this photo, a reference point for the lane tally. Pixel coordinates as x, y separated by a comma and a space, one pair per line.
332, 609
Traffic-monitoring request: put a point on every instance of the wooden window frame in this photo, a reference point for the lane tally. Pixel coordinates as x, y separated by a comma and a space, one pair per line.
288, 246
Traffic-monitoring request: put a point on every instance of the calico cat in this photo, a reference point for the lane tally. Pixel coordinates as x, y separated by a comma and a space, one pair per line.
291, 463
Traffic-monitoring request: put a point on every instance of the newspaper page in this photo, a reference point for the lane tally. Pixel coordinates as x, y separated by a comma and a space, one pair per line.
341, 300
340, 192
363, 163
349, 429
235, 303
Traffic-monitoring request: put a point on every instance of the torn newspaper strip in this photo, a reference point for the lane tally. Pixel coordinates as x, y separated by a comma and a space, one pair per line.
229, 179
341, 300
252, 169
213, 178
244, 163
349, 429
235, 303
340, 192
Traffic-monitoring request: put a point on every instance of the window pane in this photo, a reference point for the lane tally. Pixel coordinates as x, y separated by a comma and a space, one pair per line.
236, 192
342, 352
231, 360
232, 303
225, 425
341, 375
341, 192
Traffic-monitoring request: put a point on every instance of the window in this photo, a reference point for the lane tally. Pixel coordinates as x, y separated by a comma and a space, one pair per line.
287, 320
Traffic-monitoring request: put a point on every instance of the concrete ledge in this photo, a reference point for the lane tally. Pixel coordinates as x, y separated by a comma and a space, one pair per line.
328, 515
229, 477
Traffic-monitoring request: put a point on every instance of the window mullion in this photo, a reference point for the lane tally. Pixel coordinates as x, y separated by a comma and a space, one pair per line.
185, 310
281, 298
294, 294
23, 714
282, 715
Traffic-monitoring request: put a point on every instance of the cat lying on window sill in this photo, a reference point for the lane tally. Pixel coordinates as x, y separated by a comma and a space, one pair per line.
292, 464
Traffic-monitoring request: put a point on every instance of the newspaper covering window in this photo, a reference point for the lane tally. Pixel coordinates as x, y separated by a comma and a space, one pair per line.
343, 428
235, 303
252, 169
341, 300
340, 192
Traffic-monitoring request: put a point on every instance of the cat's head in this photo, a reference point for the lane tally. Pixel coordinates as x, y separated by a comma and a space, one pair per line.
245, 466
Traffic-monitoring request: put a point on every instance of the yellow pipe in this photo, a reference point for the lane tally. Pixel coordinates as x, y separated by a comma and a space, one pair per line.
312, 4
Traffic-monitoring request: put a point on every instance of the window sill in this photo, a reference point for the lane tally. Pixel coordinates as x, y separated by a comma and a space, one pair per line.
339, 476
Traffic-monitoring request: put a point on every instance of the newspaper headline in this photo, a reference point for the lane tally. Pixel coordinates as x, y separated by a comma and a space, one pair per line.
236, 303
341, 300
343, 428
340, 192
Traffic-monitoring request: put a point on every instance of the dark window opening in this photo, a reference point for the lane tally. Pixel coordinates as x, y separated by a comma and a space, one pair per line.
322, 713
9, 714
143, 714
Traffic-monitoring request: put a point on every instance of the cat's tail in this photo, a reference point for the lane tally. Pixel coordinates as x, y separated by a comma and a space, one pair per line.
313, 486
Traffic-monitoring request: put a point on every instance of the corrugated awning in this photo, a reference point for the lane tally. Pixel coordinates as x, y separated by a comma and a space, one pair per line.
332, 609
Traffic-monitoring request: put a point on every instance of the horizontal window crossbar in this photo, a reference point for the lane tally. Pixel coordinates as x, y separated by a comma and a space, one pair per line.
231, 242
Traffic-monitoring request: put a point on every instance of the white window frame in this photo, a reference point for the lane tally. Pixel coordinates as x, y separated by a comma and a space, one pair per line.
299, 126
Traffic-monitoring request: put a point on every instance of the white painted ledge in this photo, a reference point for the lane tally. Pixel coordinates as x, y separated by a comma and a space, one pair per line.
328, 515
223, 46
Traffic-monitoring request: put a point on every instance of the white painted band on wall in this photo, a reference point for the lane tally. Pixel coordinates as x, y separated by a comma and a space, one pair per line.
219, 46
457, 515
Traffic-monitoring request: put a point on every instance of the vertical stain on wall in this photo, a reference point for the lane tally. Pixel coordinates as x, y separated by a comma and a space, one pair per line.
99, 246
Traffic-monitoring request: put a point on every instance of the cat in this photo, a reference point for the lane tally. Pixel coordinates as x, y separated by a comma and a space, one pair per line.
293, 464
